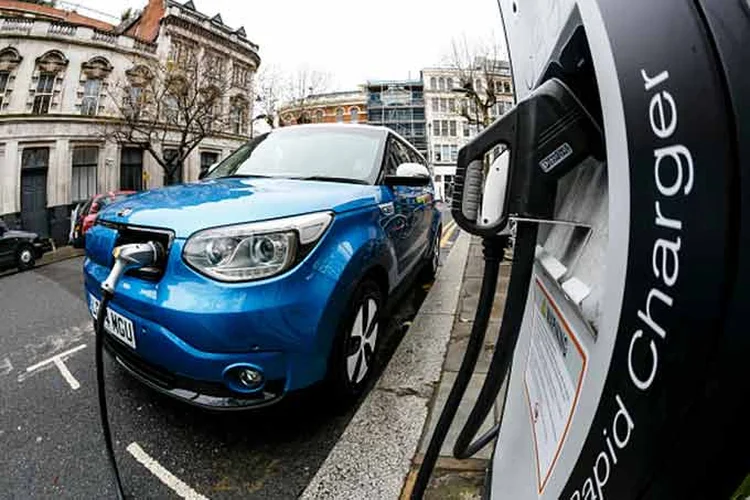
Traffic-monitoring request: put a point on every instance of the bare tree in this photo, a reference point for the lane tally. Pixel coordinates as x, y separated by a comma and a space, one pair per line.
269, 88
300, 86
479, 69
168, 109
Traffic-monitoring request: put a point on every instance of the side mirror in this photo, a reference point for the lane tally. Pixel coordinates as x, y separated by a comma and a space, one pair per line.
409, 174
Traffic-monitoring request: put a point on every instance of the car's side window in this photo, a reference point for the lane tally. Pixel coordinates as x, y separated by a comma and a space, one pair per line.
3, 227
393, 156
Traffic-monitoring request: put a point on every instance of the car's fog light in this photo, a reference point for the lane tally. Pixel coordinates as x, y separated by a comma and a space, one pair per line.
250, 378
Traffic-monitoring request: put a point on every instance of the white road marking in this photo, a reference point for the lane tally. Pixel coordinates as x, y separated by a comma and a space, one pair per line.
69, 378
166, 477
57, 360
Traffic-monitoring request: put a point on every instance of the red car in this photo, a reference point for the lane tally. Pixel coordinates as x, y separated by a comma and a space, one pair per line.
87, 213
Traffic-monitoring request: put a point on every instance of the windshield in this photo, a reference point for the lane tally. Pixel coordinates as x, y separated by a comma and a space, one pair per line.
324, 153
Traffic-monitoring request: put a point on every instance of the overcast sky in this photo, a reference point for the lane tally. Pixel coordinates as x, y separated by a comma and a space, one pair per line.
354, 40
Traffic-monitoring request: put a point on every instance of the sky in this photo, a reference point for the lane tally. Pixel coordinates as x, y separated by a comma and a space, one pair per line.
353, 40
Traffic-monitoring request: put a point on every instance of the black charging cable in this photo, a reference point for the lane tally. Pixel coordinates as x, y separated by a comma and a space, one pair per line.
101, 314
493, 255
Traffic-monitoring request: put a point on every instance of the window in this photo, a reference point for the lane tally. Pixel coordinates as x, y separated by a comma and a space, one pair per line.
354, 115
215, 64
506, 87
43, 95
83, 183
208, 158
441, 83
4, 77
444, 126
479, 86
453, 128
131, 169
452, 105
435, 104
318, 116
239, 75
466, 129
171, 110
443, 105
175, 177
436, 127
433, 83
238, 117
446, 152
454, 152
339, 115
450, 83
91, 90
436, 154
182, 52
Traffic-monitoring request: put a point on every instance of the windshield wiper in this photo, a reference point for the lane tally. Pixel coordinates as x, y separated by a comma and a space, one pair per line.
345, 180
244, 176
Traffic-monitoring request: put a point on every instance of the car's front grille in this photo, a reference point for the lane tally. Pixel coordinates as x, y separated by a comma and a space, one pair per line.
134, 234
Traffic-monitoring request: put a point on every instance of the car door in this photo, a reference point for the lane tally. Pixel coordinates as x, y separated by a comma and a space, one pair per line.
7, 247
402, 228
424, 208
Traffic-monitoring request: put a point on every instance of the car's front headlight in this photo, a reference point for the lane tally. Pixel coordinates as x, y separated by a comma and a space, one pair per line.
256, 250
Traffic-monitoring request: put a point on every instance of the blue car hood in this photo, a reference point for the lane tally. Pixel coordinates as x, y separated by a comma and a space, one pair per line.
188, 208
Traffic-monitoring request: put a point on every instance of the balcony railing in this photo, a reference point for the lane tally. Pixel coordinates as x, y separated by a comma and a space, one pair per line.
104, 36
64, 29
17, 24
41, 28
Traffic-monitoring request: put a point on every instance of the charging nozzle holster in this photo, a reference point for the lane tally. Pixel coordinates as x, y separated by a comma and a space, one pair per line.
546, 135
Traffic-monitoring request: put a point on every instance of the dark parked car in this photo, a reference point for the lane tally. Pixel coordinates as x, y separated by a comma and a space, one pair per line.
20, 248
87, 213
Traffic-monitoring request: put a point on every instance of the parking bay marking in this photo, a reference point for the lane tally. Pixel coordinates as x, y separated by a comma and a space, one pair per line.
166, 477
448, 232
57, 360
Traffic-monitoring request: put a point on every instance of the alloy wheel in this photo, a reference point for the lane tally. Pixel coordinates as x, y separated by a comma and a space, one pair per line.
362, 341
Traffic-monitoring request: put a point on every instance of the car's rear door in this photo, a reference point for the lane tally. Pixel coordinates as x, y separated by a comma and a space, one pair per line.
424, 208
7, 247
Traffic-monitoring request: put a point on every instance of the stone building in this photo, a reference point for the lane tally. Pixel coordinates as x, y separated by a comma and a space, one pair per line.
452, 119
57, 72
333, 107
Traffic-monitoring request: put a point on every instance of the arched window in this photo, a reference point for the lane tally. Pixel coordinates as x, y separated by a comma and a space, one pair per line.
47, 82
450, 83
339, 115
354, 115
433, 83
238, 115
9, 61
441, 83
318, 116
95, 71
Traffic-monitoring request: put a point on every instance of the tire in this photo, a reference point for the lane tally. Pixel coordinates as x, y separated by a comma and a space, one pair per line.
25, 258
351, 363
432, 259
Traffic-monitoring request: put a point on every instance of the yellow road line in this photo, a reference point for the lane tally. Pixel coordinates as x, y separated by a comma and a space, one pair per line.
448, 231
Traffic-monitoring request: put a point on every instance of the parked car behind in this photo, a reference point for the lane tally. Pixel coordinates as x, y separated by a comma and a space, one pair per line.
278, 266
20, 249
86, 214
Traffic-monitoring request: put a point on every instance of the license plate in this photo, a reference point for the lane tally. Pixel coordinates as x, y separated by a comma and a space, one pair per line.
115, 323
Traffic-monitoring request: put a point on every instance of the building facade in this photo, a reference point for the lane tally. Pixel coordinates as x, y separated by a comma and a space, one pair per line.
333, 107
400, 106
58, 71
453, 119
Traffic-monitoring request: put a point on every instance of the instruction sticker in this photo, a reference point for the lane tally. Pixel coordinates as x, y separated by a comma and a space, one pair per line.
552, 379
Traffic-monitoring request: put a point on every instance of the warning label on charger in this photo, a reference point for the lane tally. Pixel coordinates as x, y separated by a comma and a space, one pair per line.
554, 372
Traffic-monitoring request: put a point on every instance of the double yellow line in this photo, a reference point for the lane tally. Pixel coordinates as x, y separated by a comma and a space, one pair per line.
448, 231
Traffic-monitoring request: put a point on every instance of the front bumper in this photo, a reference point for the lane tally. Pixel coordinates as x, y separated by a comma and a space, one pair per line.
208, 395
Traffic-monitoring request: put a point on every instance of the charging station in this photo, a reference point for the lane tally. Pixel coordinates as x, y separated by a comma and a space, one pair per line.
624, 352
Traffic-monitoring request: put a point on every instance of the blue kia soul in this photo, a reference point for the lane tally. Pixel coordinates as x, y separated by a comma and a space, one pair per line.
278, 265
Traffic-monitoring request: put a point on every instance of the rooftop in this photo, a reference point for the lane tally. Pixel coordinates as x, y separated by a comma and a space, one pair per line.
14, 7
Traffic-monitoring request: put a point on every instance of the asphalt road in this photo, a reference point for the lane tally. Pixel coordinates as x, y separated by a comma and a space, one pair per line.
49, 423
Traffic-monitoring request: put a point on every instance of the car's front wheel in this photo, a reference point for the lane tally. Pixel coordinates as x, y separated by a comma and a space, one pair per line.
354, 351
25, 258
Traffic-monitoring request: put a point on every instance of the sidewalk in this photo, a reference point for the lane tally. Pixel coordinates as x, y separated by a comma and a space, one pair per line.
58, 254
379, 453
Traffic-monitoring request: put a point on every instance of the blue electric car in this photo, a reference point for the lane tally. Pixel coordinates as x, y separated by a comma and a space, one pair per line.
277, 266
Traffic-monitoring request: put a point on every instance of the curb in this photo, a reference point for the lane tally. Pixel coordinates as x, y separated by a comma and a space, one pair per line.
374, 454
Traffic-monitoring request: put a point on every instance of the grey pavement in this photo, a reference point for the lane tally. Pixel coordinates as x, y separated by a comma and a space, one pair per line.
380, 452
